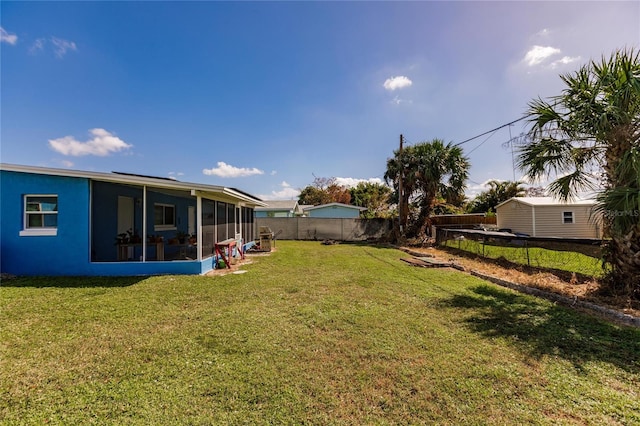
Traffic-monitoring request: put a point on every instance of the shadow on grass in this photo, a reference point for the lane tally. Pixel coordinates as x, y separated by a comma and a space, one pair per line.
540, 329
70, 282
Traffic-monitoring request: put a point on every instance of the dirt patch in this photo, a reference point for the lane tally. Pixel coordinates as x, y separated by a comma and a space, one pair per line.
237, 263
580, 287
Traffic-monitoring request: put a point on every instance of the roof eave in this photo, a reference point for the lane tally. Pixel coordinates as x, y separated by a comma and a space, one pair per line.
134, 180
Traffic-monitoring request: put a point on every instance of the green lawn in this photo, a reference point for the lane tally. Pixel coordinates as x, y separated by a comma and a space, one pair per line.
312, 334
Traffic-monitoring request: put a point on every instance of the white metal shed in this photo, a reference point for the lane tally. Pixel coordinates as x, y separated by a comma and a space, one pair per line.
549, 217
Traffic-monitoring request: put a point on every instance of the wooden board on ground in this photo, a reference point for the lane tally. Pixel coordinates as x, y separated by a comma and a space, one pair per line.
429, 259
427, 262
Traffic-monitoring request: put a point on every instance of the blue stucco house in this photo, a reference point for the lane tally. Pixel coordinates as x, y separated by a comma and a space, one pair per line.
69, 222
334, 211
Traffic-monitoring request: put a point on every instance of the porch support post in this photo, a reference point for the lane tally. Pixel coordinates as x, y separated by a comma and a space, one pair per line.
144, 223
199, 226
90, 219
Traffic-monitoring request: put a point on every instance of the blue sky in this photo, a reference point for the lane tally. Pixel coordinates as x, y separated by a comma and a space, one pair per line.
263, 96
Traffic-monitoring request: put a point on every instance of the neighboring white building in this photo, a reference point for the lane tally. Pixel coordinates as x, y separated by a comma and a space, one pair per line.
279, 208
302, 208
548, 217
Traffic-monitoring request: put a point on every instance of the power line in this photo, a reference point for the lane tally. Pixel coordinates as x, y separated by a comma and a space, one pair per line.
490, 131
482, 143
407, 142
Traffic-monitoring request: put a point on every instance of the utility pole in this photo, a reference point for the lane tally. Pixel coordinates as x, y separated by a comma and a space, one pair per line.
400, 205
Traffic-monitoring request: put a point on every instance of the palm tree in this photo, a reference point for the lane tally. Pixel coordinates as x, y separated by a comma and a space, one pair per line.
589, 136
431, 170
498, 192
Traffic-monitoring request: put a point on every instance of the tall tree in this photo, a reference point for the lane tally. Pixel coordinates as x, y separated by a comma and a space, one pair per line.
590, 137
373, 196
314, 196
497, 193
324, 191
431, 171
339, 194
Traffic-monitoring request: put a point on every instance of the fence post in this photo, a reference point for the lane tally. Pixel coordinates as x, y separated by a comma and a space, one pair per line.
526, 247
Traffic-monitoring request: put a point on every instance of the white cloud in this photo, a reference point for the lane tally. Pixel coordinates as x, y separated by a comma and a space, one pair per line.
398, 82
175, 175
538, 54
543, 33
397, 100
101, 144
66, 163
37, 46
228, 171
273, 172
286, 193
353, 182
5, 37
476, 188
62, 46
564, 61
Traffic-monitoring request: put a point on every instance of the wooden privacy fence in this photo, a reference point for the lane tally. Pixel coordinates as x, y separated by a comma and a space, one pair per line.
318, 228
463, 220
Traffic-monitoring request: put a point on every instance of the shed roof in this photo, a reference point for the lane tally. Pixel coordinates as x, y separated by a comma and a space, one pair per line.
547, 201
133, 179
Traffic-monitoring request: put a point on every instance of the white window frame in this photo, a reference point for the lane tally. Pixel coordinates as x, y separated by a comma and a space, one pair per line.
564, 218
41, 230
164, 226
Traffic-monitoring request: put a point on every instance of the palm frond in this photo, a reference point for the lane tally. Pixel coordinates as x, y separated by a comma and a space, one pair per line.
568, 186
545, 156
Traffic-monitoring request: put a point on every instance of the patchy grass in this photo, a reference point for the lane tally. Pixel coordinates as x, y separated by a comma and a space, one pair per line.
539, 257
560, 282
342, 334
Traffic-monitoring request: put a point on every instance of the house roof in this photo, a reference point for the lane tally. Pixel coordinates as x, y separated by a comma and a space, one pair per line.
133, 179
271, 205
321, 206
547, 201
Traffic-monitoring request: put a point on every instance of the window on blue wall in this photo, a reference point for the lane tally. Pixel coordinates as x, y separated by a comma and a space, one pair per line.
164, 217
40, 215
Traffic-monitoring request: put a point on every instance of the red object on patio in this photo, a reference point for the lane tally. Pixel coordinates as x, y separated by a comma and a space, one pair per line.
227, 245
